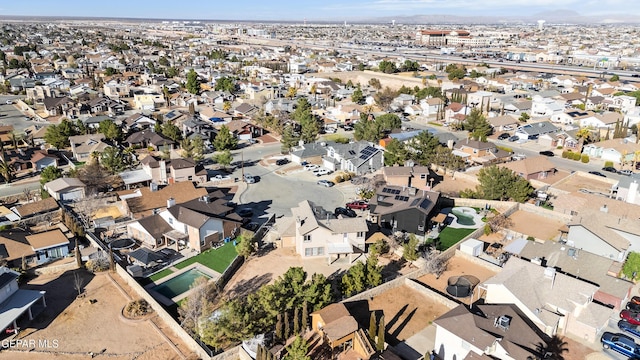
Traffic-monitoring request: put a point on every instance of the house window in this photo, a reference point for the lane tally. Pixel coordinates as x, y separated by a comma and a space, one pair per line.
190, 177
423, 176
360, 234
202, 242
314, 251
170, 221
307, 238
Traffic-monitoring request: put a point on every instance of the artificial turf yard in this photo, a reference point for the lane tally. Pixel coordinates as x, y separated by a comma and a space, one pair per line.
451, 236
160, 274
215, 259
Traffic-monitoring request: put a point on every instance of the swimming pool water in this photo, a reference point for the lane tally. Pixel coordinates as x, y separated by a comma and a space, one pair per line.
179, 284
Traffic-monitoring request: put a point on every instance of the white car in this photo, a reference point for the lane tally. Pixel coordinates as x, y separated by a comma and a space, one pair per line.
311, 167
249, 179
330, 130
222, 177
322, 171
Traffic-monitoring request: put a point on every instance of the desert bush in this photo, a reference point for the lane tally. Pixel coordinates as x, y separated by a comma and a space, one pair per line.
584, 158
137, 308
98, 265
338, 179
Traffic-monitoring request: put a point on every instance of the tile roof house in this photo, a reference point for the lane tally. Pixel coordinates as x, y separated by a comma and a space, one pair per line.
557, 303
148, 138
403, 208
36, 249
535, 129
317, 233
614, 150
535, 167
145, 201
491, 332
407, 176
66, 189
164, 172
337, 326
480, 152
83, 146
36, 208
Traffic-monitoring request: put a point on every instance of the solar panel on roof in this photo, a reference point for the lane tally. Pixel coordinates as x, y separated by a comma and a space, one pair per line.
402, 198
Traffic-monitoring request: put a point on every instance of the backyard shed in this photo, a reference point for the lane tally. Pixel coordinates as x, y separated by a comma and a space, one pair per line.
472, 247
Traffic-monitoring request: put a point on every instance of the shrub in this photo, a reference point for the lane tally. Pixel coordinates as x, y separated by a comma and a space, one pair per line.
507, 149
576, 156
98, 265
559, 147
585, 158
530, 238
338, 179
565, 154
487, 229
380, 247
608, 164
137, 308
347, 176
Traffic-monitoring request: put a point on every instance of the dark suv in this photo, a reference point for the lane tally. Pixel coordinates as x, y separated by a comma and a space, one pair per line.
344, 212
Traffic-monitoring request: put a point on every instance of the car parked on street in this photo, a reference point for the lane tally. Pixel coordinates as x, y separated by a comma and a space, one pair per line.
631, 329
514, 138
625, 172
325, 183
546, 153
358, 205
631, 317
250, 179
504, 136
344, 212
635, 307
635, 300
597, 173
621, 343
609, 169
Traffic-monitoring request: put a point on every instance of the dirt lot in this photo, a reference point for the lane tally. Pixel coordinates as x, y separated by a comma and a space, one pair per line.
455, 267
452, 187
577, 181
75, 327
406, 311
534, 225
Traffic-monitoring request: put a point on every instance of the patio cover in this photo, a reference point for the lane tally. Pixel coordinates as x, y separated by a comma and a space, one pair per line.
516, 246
17, 304
145, 256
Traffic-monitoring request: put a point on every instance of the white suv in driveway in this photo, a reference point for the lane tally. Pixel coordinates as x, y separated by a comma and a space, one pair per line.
322, 171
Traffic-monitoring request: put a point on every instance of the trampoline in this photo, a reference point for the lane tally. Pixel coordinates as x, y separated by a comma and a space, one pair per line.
462, 286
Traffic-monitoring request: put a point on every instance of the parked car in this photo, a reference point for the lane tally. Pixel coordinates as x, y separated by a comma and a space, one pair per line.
358, 205
631, 329
322, 171
504, 136
249, 179
631, 317
330, 130
621, 343
282, 161
348, 128
609, 169
635, 307
518, 156
514, 138
311, 167
221, 177
326, 183
245, 212
345, 212
625, 172
546, 153
597, 173
635, 300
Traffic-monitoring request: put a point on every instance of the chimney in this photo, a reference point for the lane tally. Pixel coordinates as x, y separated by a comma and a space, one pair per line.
171, 202
153, 187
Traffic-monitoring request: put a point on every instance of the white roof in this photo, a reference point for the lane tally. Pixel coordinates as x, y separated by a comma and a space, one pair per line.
135, 176
60, 184
17, 304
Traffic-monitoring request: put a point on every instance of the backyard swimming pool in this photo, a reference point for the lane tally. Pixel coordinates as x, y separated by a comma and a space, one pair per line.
179, 284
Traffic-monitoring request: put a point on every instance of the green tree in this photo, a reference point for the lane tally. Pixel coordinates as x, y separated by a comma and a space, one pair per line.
279, 334
631, 266
424, 146
193, 84
615, 77
58, 135
477, 125
372, 326
354, 281
389, 121
287, 325
225, 139
375, 83
246, 246
226, 84
223, 158
395, 153
455, 71
410, 248
296, 320
171, 131
110, 130
113, 160
110, 71
387, 67
163, 61
500, 183
50, 173
198, 148
305, 316
524, 117
410, 65
298, 350
385, 97
288, 138
369, 130
373, 271
381, 333
357, 96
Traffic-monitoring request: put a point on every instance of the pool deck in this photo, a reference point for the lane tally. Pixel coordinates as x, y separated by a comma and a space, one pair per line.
168, 302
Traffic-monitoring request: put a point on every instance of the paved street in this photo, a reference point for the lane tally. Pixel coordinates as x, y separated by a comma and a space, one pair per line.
10, 115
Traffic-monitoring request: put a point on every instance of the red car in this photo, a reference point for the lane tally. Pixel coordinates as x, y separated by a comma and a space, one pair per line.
630, 316
358, 204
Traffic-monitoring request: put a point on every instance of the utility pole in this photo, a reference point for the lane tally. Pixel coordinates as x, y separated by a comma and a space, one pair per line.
242, 163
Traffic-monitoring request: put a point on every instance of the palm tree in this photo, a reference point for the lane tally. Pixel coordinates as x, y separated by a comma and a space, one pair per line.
583, 135
6, 171
553, 349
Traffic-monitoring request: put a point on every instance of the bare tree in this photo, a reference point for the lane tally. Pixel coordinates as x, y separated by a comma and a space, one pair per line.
197, 304
434, 263
78, 282
499, 222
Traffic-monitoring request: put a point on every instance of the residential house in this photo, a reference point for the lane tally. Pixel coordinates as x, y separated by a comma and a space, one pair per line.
405, 209
431, 106
628, 189
148, 138
618, 151
164, 172
137, 122
598, 121
93, 122
208, 113
148, 102
245, 109
489, 331
57, 106
532, 168
456, 113
149, 200
480, 152
281, 105
357, 157
558, 304
150, 231
504, 122
244, 130
408, 176
541, 106
316, 233
48, 246
311, 153
104, 105
82, 146
116, 89
570, 116
66, 189
15, 302
36, 208
533, 130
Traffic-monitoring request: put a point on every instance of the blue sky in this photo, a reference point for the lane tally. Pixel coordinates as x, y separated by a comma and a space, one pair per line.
293, 10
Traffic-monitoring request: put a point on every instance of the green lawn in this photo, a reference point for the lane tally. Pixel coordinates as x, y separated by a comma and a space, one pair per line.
215, 259
160, 274
450, 236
